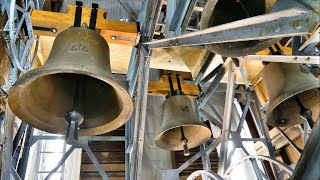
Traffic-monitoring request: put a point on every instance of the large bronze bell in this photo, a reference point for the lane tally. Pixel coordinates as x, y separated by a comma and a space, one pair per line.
220, 12
180, 126
43, 96
289, 87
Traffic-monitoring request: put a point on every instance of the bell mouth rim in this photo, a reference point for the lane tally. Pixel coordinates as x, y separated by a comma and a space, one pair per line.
180, 147
280, 99
102, 75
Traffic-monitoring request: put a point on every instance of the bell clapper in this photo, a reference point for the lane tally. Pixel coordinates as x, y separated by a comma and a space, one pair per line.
184, 142
304, 112
75, 117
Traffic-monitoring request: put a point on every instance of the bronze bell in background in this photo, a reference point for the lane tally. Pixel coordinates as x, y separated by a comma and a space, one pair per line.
294, 95
75, 82
181, 129
221, 12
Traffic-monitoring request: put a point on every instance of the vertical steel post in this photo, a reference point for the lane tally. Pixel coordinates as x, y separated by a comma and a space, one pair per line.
8, 144
205, 161
227, 119
140, 114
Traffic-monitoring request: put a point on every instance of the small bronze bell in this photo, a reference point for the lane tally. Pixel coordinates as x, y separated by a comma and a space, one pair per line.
44, 97
293, 94
181, 129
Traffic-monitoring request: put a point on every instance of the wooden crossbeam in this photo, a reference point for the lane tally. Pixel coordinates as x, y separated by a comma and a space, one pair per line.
163, 88
116, 32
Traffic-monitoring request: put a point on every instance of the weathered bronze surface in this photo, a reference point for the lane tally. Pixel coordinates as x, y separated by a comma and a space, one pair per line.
221, 12
283, 81
179, 112
42, 96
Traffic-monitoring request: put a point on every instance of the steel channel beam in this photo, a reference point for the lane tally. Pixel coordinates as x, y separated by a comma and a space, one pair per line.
254, 164
19, 136
285, 167
211, 118
96, 162
306, 128
22, 167
126, 6
81, 138
295, 147
308, 165
148, 19
188, 15
227, 118
171, 7
283, 59
211, 74
214, 84
15, 174
8, 144
284, 23
141, 105
265, 132
62, 160
132, 63
215, 112
244, 115
206, 151
208, 59
179, 15
206, 164
127, 142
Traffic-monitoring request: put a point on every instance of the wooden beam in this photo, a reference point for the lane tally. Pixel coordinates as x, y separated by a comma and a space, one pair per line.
112, 31
4, 64
107, 167
162, 89
278, 141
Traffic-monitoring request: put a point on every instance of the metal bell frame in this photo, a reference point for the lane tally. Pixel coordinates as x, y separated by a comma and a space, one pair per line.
138, 76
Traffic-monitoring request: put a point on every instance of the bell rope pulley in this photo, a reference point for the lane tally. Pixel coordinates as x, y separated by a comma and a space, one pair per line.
294, 95
181, 129
74, 92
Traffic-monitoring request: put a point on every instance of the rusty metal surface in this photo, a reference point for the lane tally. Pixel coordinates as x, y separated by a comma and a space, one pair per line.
42, 96
283, 81
179, 112
216, 13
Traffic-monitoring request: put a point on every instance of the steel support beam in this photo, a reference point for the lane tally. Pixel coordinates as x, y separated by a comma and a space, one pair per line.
188, 14
285, 167
208, 59
293, 21
264, 131
126, 6
308, 165
171, 7
283, 59
141, 105
179, 15
8, 144
214, 84
227, 118
283, 134
244, 115
210, 118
